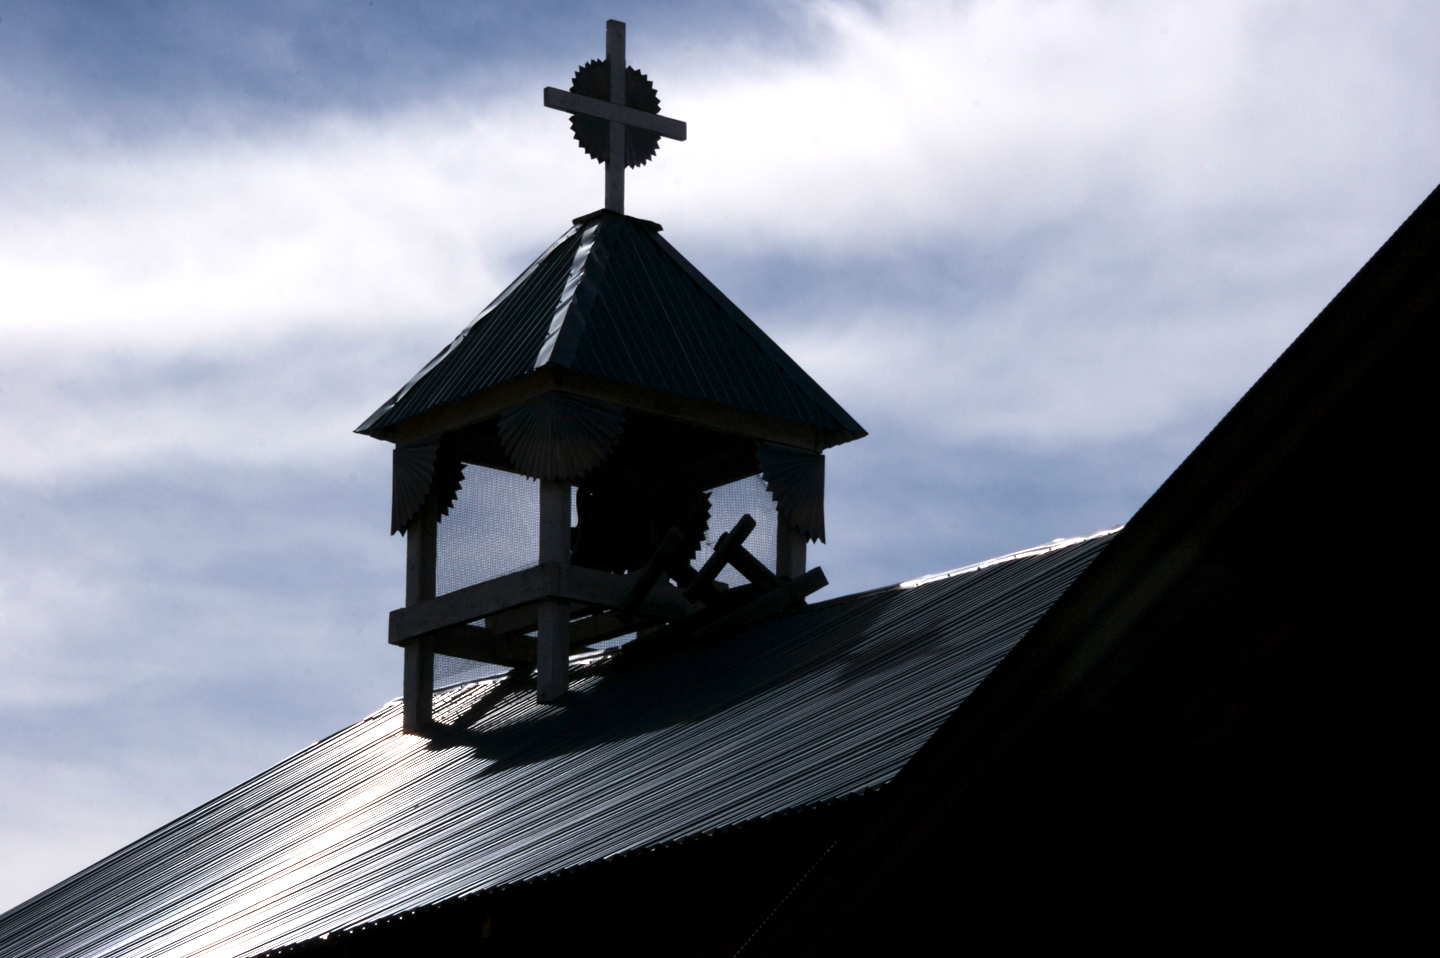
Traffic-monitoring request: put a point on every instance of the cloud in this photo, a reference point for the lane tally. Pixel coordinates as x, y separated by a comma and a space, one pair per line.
987, 120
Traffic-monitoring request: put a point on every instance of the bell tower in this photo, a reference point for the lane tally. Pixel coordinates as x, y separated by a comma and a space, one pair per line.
563, 468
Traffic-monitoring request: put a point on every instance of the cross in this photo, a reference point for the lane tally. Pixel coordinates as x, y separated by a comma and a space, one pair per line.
616, 111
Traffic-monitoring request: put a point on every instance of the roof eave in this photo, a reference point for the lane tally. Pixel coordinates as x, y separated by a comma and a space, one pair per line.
847, 425
488, 403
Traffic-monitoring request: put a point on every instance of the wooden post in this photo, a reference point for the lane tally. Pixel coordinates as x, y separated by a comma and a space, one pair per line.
420, 556
789, 550
615, 165
419, 686
552, 651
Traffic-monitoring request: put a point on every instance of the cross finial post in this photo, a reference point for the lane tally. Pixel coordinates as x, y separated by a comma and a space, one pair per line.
615, 165
618, 113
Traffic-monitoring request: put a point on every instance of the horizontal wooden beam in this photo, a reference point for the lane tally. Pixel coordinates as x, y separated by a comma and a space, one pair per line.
547, 581
711, 415
473, 602
605, 625
526, 618
610, 590
616, 112
587, 619
480, 644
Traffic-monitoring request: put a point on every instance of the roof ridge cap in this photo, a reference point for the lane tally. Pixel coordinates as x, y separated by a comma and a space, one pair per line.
577, 296
597, 214
1040, 550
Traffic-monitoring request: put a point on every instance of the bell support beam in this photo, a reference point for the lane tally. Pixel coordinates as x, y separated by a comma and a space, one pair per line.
767, 606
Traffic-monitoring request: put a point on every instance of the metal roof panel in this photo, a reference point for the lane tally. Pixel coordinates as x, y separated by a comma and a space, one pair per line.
653, 321
370, 822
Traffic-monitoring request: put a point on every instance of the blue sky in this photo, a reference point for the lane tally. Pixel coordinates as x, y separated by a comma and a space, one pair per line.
1038, 249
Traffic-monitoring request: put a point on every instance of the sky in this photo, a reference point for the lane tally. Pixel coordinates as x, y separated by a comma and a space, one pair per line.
1037, 249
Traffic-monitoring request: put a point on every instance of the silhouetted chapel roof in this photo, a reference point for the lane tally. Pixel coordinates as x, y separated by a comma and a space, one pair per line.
826, 703
629, 309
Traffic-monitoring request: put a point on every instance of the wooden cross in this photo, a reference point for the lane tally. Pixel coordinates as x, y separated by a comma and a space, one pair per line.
619, 115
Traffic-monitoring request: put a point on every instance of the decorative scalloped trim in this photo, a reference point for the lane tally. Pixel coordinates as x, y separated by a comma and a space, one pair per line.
414, 465
795, 479
419, 473
558, 436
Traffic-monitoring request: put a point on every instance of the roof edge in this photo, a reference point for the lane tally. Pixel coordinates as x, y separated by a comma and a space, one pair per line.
354, 931
368, 428
849, 429
552, 377
1338, 354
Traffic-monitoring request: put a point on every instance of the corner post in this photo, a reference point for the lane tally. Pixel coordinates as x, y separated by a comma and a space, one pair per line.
615, 165
419, 686
789, 550
552, 649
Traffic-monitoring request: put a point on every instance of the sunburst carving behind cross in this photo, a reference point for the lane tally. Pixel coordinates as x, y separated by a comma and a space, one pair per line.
616, 114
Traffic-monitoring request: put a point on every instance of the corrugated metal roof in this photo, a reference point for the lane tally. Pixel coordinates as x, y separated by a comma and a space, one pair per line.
634, 311
370, 822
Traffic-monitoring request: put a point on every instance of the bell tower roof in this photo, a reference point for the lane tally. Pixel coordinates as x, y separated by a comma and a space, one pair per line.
613, 311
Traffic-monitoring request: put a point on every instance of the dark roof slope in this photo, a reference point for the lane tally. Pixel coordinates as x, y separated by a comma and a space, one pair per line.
1229, 700
612, 299
370, 822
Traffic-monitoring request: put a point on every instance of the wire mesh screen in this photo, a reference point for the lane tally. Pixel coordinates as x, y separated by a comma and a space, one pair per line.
727, 504
452, 671
492, 529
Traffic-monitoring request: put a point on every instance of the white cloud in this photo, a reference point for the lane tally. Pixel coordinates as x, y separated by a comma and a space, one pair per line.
1079, 132
990, 118
173, 244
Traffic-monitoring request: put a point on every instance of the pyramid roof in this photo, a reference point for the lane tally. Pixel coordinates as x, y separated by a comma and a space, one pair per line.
612, 301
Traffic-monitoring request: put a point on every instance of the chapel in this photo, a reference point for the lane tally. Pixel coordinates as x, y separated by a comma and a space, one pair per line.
624, 724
